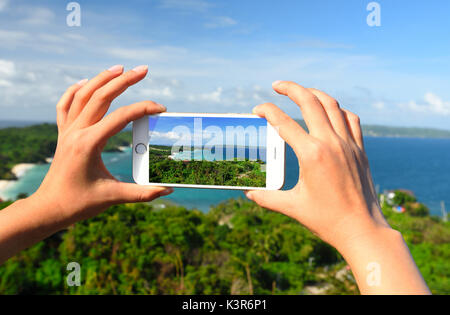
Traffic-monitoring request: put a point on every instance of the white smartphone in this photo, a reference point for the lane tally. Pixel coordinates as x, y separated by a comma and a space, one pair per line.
219, 151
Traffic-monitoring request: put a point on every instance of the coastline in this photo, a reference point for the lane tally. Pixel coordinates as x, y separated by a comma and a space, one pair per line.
124, 148
18, 170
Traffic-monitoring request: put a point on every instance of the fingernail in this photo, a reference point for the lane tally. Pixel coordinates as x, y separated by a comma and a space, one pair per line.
162, 107
142, 68
166, 192
116, 69
82, 82
248, 194
276, 83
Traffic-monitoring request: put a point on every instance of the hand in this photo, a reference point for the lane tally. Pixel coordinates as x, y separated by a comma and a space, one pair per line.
78, 185
334, 197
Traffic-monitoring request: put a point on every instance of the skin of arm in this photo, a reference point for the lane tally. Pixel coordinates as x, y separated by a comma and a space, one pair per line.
78, 185
335, 196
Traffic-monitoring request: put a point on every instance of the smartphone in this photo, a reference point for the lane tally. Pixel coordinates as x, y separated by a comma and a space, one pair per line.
219, 151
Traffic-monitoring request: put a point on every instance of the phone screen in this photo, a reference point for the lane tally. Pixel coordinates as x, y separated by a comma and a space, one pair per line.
217, 151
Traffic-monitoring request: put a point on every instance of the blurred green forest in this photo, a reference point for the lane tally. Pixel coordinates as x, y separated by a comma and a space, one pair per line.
33, 144
408, 132
222, 173
236, 248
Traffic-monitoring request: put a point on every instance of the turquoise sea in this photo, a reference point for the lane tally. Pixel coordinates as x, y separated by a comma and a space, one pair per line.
420, 165
209, 154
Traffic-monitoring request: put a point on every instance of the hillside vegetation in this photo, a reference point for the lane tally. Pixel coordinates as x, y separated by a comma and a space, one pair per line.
33, 144
398, 132
243, 173
385, 131
236, 248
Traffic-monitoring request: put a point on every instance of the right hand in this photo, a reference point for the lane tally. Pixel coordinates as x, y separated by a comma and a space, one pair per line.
335, 196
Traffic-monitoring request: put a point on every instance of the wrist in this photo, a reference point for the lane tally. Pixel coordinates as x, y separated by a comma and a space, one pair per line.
354, 223
46, 212
382, 264
355, 228
26, 222
376, 236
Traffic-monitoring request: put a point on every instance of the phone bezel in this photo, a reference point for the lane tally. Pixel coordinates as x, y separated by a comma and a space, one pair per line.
276, 154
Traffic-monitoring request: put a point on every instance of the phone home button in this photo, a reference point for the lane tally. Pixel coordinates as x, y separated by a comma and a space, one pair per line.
140, 148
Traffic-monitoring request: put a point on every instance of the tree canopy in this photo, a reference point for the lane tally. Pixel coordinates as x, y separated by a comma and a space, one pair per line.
236, 248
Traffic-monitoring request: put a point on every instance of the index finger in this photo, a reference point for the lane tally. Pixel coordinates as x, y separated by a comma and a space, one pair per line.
99, 104
313, 112
85, 93
287, 128
120, 118
63, 106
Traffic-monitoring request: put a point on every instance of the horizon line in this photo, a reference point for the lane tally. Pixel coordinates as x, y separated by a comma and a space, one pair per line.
33, 122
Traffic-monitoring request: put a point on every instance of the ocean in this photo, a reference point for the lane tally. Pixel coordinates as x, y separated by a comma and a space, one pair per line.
419, 165
226, 154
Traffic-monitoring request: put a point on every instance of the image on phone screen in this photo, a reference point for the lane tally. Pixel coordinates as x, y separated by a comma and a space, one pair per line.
216, 151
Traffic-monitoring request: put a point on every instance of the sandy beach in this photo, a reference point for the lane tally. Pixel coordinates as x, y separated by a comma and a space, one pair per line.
123, 148
4, 184
18, 170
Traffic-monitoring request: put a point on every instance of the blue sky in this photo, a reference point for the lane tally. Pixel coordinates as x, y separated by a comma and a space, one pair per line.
222, 56
167, 131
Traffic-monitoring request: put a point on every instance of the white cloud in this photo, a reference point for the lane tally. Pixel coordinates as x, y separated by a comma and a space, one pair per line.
148, 54
75, 37
220, 22
245, 97
171, 136
31, 76
7, 68
135, 53
203, 75
3, 4
431, 104
5, 83
163, 93
321, 44
10, 39
56, 43
30, 91
37, 16
214, 96
379, 105
51, 38
186, 5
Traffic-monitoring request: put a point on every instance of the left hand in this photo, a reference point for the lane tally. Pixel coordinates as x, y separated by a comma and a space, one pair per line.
78, 185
